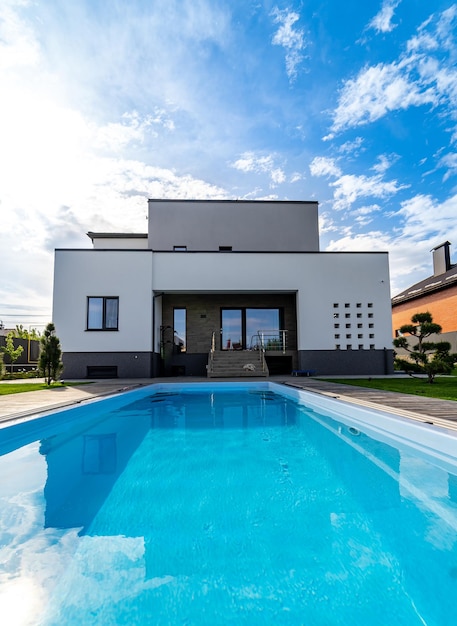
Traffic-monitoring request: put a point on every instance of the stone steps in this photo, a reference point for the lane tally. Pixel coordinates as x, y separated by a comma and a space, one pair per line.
233, 364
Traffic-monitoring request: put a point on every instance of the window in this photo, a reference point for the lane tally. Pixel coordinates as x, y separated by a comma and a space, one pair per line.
179, 330
371, 336
346, 305
359, 325
358, 305
179, 248
371, 346
370, 325
347, 315
348, 326
360, 336
336, 325
349, 346
359, 315
370, 305
225, 248
337, 336
337, 346
370, 315
336, 315
348, 336
360, 346
102, 313
335, 305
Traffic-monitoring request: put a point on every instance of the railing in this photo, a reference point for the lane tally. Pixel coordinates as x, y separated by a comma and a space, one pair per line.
261, 348
270, 340
212, 351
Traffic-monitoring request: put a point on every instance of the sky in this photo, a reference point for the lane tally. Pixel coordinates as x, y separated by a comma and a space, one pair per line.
106, 104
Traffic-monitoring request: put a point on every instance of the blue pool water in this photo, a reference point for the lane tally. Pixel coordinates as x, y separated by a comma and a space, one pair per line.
224, 504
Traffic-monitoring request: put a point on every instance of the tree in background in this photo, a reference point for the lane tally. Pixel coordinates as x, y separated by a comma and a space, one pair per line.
50, 362
428, 357
10, 350
23, 333
1, 365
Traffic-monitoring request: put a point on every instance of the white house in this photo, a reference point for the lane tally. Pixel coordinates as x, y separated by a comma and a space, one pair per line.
222, 287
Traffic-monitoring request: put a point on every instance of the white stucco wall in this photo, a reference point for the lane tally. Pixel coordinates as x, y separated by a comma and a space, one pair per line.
82, 273
321, 279
120, 243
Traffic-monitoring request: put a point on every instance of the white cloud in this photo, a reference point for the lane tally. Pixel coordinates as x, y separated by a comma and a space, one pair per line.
376, 91
18, 46
384, 162
252, 162
351, 147
324, 166
416, 79
449, 161
349, 188
292, 40
382, 21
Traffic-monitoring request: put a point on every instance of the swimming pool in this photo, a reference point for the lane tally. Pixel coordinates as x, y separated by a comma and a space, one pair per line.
218, 503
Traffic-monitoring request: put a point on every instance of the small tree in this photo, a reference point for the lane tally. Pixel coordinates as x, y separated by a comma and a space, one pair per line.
50, 361
10, 350
428, 357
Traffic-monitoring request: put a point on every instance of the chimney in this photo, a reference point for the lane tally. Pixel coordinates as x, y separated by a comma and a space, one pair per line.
441, 259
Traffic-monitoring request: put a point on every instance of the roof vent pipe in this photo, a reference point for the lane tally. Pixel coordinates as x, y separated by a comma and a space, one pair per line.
441, 258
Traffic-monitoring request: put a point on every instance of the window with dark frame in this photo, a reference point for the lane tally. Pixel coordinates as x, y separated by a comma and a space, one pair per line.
102, 313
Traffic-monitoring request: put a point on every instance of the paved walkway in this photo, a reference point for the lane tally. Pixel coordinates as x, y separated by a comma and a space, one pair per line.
26, 405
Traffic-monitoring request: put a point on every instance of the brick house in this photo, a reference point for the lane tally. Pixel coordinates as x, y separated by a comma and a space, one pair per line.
436, 294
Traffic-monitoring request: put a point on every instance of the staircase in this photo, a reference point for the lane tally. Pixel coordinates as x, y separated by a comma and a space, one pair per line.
237, 364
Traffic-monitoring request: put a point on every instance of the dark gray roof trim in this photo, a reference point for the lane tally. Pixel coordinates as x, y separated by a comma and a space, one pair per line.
234, 201
429, 285
117, 235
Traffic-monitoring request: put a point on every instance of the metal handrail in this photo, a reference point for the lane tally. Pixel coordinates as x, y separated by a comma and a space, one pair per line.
271, 340
261, 349
212, 351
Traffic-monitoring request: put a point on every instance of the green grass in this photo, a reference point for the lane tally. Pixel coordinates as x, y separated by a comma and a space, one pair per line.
8, 388
444, 388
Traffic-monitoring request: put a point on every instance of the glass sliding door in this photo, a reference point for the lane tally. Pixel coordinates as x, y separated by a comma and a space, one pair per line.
264, 325
246, 327
232, 329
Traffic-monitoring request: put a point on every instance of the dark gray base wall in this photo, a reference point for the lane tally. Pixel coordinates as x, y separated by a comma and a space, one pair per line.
101, 364
347, 362
186, 365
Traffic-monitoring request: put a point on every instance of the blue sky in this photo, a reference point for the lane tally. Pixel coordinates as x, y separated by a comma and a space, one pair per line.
104, 104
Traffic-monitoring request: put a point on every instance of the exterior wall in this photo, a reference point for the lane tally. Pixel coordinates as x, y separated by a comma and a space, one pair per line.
441, 304
127, 364
149, 285
118, 243
82, 273
246, 226
354, 362
320, 280
203, 317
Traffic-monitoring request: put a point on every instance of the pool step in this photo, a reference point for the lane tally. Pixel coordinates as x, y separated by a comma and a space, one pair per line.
235, 364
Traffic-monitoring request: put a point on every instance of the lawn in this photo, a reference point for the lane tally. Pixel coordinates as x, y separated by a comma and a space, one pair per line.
444, 387
8, 388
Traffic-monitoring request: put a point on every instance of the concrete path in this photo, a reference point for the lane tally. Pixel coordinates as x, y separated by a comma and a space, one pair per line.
27, 405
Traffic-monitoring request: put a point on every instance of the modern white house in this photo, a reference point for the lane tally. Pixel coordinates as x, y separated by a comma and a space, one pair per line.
222, 288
